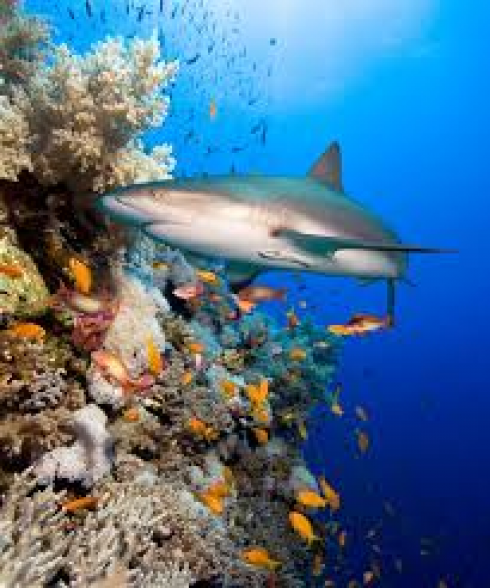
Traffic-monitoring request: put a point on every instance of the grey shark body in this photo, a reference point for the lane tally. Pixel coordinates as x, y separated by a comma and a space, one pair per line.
261, 222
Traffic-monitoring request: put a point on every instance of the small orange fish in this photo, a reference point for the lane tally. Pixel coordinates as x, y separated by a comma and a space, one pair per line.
292, 319
258, 394
361, 414
258, 294
195, 347
261, 415
302, 526
331, 497
197, 426
80, 504
362, 441
342, 538
297, 354
186, 378
360, 324
261, 435
228, 475
189, 291
132, 415
228, 388
214, 503
245, 306
81, 274
220, 489
258, 556
310, 499
155, 361
29, 331
11, 270
207, 277
317, 565
213, 110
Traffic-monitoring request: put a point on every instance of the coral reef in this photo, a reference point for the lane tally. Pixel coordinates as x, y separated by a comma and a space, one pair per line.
189, 451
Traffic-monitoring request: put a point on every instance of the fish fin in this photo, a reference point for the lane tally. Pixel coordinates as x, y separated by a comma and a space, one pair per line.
323, 245
328, 168
241, 275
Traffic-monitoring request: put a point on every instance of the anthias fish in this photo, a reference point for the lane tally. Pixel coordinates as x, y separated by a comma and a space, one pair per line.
263, 222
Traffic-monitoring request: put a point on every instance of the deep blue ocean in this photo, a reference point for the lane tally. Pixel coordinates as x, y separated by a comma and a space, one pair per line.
404, 87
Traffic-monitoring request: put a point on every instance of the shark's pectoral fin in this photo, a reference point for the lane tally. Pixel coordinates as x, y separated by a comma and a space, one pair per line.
328, 168
328, 246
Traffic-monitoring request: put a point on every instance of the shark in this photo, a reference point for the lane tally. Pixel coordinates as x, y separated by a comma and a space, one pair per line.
257, 223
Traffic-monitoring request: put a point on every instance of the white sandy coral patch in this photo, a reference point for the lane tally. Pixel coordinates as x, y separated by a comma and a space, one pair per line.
135, 324
14, 141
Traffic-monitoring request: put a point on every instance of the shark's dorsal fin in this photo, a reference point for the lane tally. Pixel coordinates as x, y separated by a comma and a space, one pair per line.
328, 168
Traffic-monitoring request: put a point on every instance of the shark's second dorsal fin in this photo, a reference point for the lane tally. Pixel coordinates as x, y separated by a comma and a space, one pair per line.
328, 168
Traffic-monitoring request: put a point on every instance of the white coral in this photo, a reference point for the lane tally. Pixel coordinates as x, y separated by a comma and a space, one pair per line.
88, 459
86, 114
135, 324
14, 141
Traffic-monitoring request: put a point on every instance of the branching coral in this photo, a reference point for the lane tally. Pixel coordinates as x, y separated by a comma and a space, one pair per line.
85, 116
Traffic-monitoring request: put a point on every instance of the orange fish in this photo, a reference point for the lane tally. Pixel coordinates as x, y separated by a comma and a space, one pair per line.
29, 331
207, 277
80, 504
228, 388
297, 354
214, 503
302, 526
258, 394
81, 274
132, 415
362, 441
220, 489
258, 294
197, 426
113, 369
195, 347
155, 362
245, 306
311, 499
261, 415
336, 409
11, 270
317, 565
213, 110
331, 497
360, 324
292, 319
186, 378
342, 538
258, 556
261, 435
189, 291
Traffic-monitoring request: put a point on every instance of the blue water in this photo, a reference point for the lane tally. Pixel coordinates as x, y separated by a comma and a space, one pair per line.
412, 117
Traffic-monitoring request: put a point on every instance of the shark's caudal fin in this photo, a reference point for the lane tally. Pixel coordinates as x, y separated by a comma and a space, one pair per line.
328, 168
